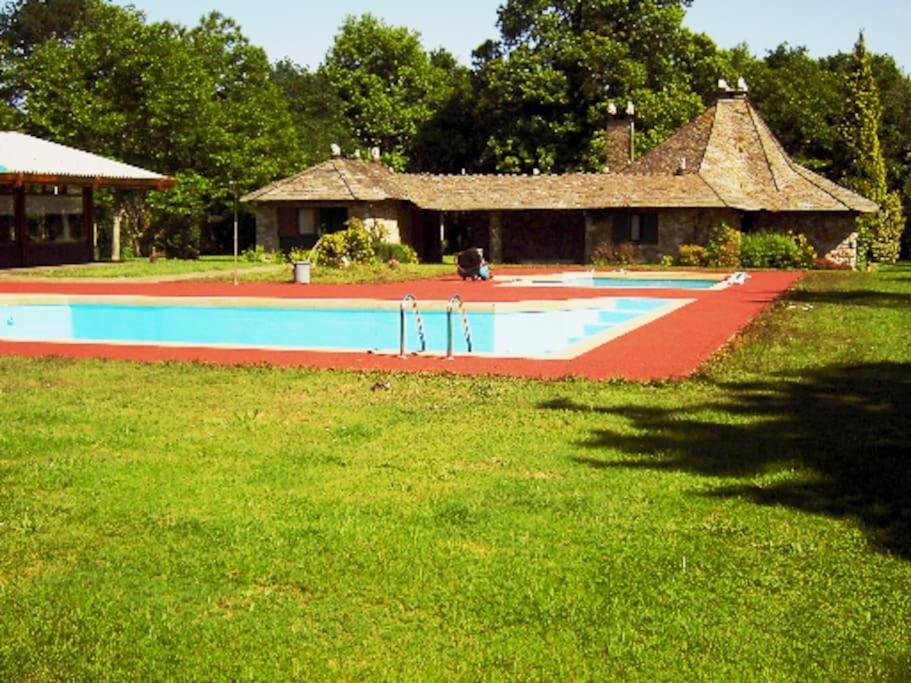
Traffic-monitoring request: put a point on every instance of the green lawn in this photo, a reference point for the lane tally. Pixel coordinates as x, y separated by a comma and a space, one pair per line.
190, 522
222, 268
140, 267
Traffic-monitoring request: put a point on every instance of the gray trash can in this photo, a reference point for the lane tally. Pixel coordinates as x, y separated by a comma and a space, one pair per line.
302, 272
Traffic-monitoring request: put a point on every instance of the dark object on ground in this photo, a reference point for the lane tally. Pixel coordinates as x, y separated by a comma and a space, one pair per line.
471, 264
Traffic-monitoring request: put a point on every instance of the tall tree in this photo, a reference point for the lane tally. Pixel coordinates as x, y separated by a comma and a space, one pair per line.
196, 103
388, 85
865, 168
316, 110
26, 24
546, 84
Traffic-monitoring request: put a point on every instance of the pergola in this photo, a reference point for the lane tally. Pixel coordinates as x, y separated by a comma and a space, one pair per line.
47, 199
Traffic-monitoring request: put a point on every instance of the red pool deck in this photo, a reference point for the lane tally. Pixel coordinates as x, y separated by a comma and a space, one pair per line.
673, 346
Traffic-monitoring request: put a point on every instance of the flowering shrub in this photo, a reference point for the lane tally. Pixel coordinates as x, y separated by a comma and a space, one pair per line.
606, 253
724, 247
692, 255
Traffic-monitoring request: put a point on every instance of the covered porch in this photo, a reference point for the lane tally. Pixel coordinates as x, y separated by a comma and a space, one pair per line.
47, 199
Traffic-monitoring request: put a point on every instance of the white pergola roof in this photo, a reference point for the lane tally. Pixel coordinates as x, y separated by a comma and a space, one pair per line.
24, 158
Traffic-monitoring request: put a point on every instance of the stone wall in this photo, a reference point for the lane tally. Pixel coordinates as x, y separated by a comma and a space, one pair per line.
834, 235
393, 217
267, 227
675, 227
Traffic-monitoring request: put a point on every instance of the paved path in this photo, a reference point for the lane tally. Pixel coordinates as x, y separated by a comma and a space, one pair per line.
671, 347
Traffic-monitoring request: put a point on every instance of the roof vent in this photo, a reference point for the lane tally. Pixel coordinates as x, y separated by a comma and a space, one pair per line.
681, 169
630, 109
536, 171
612, 109
723, 85
375, 153
336, 150
742, 85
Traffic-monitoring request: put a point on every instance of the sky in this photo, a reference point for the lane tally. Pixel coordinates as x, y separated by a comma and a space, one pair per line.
303, 30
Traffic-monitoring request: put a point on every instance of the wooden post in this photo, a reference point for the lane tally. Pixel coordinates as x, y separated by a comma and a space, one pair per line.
21, 223
88, 222
496, 237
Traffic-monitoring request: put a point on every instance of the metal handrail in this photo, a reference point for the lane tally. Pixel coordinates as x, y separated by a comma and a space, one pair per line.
403, 338
466, 328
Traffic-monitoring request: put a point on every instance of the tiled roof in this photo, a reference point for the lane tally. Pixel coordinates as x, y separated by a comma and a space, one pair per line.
733, 150
27, 157
333, 180
356, 180
732, 159
571, 191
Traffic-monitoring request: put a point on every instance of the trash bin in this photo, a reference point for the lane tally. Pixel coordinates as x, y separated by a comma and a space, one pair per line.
302, 272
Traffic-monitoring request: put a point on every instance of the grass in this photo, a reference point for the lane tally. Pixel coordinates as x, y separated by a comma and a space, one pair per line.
139, 267
222, 268
193, 522
355, 274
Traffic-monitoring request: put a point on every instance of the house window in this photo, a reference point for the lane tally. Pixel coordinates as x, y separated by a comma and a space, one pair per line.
54, 214
638, 228
306, 222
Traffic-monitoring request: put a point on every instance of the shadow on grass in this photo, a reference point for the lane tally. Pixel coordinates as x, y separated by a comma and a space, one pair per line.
847, 427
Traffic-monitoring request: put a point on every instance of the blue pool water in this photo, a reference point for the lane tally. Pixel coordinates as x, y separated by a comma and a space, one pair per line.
501, 333
630, 283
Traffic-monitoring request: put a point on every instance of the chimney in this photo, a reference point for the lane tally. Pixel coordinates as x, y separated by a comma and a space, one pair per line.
727, 92
621, 132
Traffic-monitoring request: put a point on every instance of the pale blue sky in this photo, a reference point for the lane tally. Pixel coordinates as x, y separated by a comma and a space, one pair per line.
303, 30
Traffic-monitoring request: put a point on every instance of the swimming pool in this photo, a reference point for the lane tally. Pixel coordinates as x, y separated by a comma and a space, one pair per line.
527, 329
618, 281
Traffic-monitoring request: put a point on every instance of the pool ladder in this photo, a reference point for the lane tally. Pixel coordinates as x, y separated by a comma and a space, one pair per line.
455, 300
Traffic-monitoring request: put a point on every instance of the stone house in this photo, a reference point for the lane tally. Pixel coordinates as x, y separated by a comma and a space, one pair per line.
725, 166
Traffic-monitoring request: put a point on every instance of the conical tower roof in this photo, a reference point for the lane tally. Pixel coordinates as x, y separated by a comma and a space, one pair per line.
732, 149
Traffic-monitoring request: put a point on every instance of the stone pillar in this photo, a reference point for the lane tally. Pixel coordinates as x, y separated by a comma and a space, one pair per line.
267, 227
620, 140
496, 237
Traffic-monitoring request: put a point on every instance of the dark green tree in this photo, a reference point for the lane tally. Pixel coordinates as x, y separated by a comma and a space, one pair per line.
26, 24
545, 85
388, 85
865, 168
195, 103
316, 110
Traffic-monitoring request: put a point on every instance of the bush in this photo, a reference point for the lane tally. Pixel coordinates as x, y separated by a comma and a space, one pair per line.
692, 255
724, 247
768, 250
806, 252
258, 254
606, 253
775, 250
341, 249
402, 253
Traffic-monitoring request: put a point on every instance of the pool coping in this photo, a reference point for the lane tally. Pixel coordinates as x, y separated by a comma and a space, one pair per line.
671, 347
568, 352
562, 279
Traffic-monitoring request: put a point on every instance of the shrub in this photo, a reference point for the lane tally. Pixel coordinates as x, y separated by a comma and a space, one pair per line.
692, 255
332, 250
724, 247
775, 250
343, 248
623, 254
258, 254
768, 250
402, 253
806, 252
